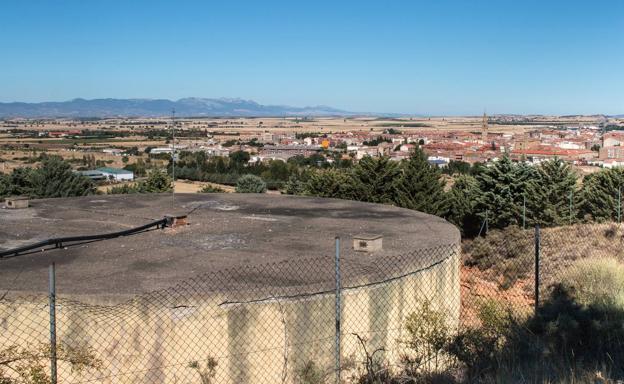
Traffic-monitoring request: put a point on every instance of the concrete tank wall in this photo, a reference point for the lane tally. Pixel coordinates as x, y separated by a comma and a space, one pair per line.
149, 340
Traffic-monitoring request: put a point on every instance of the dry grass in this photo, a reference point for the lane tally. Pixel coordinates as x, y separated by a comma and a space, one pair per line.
186, 186
501, 265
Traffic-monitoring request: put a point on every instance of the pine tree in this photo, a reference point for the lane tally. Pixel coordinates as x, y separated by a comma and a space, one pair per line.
460, 205
419, 185
374, 179
297, 182
55, 178
330, 183
599, 195
157, 182
18, 182
5, 185
548, 194
502, 186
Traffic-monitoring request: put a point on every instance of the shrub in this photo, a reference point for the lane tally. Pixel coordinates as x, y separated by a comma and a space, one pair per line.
310, 373
566, 341
596, 281
574, 335
29, 365
294, 186
481, 348
503, 253
209, 188
122, 189
425, 360
206, 371
157, 182
428, 335
250, 184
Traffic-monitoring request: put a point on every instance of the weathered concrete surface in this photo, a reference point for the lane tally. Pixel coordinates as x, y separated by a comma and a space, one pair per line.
262, 323
235, 231
154, 338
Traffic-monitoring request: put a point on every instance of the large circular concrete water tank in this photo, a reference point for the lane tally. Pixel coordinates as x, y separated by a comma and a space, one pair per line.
247, 273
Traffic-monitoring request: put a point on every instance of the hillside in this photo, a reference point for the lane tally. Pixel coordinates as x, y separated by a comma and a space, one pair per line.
501, 265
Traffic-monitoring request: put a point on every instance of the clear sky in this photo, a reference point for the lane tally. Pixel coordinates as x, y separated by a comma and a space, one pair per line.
429, 57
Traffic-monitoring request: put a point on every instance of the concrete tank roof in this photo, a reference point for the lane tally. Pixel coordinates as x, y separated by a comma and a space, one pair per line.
225, 231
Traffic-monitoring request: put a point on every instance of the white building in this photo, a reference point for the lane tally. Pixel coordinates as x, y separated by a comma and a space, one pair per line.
157, 151
117, 174
113, 151
570, 145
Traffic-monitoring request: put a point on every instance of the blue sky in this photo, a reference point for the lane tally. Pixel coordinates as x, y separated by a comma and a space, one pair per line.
429, 57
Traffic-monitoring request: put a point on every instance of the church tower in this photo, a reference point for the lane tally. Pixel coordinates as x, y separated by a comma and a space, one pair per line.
484, 128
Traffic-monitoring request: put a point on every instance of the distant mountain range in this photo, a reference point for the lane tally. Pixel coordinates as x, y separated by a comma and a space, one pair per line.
189, 107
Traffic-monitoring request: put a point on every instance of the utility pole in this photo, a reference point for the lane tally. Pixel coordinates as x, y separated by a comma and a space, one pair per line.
173, 156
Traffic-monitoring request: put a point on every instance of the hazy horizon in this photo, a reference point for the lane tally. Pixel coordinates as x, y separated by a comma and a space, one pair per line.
345, 113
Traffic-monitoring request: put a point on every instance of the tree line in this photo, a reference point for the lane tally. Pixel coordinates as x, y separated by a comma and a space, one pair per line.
503, 193
54, 177
198, 166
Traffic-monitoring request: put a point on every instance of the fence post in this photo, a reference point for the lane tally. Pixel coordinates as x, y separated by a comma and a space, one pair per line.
570, 208
52, 291
537, 266
523, 211
338, 308
619, 205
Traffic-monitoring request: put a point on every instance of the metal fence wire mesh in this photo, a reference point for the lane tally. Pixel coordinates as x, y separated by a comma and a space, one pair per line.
395, 315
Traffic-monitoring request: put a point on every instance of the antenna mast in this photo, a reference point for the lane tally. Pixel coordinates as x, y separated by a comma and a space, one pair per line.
173, 155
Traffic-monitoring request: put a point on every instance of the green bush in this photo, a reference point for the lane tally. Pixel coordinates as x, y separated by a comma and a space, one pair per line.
250, 184
209, 188
428, 334
157, 182
122, 190
482, 348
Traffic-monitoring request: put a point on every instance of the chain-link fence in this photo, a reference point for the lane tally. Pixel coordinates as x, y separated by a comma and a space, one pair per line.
432, 315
